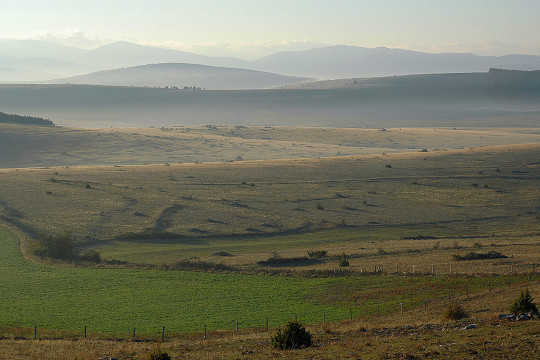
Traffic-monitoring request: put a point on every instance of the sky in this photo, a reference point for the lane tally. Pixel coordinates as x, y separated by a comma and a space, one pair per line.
254, 28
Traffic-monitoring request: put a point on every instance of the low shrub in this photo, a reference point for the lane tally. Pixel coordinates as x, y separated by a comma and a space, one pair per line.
524, 303
60, 246
292, 261
158, 354
91, 256
317, 254
455, 312
292, 336
479, 256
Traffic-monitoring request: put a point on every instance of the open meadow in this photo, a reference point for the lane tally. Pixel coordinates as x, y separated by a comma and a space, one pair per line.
163, 213
242, 210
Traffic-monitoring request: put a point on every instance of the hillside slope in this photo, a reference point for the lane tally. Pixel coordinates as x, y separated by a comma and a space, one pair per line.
181, 75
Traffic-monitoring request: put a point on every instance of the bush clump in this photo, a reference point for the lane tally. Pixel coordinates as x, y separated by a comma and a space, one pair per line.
292, 336
317, 254
455, 312
158, 354
59, 246
91, 256
479, 256
525, 303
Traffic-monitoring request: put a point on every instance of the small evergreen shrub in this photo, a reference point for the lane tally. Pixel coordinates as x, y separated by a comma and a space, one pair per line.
523, 304
158, 354
455, 312
343, 261
292, 336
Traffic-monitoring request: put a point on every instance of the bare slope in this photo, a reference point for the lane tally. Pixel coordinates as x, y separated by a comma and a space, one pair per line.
31, 146
478, 191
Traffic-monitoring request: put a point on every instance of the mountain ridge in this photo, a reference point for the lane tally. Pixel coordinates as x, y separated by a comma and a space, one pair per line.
329, 62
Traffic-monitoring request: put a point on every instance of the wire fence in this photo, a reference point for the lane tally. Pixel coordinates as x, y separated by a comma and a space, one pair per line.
460, 293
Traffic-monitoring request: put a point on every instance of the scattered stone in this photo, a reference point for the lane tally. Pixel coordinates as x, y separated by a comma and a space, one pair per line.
469, 327
222, 253
519, 317
506, 317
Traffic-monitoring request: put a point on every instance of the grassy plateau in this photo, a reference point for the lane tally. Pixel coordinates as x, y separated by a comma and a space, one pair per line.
418, 213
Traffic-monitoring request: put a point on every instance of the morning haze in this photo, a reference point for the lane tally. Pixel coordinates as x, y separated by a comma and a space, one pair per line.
250, 180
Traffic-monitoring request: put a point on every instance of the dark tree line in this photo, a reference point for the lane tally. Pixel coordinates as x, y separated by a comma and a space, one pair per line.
26, 120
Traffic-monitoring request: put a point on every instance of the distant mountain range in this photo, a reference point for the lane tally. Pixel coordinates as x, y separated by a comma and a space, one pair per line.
27, 60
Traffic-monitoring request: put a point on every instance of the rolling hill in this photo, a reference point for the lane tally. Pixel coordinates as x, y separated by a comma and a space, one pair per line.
402, 101
181, 75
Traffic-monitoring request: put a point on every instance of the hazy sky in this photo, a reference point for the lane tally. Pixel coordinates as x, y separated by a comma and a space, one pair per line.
251, 28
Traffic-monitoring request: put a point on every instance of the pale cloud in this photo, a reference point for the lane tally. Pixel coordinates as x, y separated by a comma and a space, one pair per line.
245, 50
70, 37
494, 48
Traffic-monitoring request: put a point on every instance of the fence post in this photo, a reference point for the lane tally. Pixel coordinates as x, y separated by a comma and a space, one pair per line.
450, 269
35, 331
467, 293
425, 304
163, 334
324, 318
350, 313
432, 269
236, 327
85, 331
267, 324
134, 333
413, 269
401, 308
205, 332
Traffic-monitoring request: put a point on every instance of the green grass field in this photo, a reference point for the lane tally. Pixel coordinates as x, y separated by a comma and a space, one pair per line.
116, 300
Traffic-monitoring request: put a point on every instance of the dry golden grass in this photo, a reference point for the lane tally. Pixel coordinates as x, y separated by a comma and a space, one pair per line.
338, 203
33, 146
